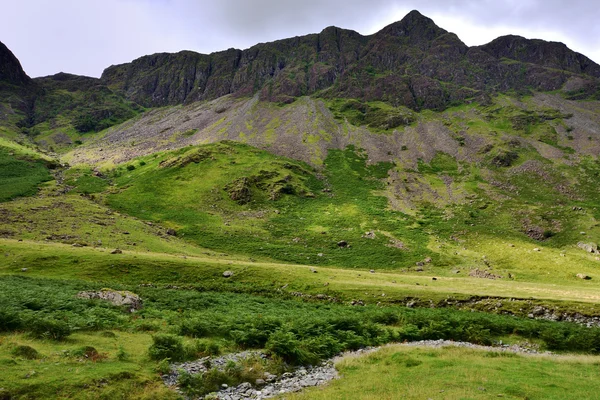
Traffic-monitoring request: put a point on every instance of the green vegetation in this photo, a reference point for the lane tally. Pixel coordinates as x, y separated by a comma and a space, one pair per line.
300, 241
456, 373
402, 198
181, 324
20, 175
232, 198
376, 115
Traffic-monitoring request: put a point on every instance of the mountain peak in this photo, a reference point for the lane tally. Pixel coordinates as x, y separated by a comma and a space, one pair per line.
419, 28
10, 67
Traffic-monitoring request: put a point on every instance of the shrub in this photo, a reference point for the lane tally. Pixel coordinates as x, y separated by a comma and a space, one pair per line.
9, 320
286, 345
201, 384
26, 352
166, 346
350, 340
195, 327
205, 348
130, 167
163, 367
49, 328
324, 346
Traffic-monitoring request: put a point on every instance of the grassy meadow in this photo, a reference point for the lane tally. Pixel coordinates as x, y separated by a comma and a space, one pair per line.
401, 372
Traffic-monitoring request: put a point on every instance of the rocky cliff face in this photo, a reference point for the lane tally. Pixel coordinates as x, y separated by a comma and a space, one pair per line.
542, 53
280, 70
412, 62
10, 68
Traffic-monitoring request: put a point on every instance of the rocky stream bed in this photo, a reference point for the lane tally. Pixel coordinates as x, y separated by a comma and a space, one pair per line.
301, 377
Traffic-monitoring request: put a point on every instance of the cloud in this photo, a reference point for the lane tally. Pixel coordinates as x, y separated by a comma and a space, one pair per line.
84, 37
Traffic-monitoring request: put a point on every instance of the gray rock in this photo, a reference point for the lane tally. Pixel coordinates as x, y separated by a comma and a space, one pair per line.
584, 277
589, 247
116, 297
117, 251
342, 244
227, 274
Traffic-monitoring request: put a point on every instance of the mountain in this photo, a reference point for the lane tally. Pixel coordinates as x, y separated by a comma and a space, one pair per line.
10, 68
300, 198
412, 62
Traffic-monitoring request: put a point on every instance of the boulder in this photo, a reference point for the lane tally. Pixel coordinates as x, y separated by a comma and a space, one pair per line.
116, 251
584, 277
589, 247
342, 244
116, 297
227, 274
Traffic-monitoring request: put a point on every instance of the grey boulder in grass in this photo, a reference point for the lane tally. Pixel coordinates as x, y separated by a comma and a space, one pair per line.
116, 297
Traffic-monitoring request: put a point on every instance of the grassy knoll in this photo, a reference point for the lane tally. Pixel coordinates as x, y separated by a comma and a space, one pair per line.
454, 373
287, 213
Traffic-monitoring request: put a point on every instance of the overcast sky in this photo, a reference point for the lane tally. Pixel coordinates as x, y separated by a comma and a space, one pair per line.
86, 36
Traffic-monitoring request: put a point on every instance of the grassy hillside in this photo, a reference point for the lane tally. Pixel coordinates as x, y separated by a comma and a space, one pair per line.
236, 198
21, 171
476, 211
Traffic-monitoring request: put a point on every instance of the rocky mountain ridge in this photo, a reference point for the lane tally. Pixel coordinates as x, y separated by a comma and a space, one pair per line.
412, 62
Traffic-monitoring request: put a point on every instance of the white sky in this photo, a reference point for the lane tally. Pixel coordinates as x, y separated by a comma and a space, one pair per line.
86, 36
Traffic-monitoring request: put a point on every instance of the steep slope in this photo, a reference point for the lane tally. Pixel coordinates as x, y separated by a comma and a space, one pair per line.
65, 107
10, 68
290, 67
412, 62
540, 52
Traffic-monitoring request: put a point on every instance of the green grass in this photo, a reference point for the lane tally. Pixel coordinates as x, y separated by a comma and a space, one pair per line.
286, 211
183, 217
20, 176
454, 373
377, 116
123, 364
262, 277
63, 372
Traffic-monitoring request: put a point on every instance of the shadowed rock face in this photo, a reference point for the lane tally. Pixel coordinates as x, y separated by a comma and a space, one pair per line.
412, 62
10, 68
547, 54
